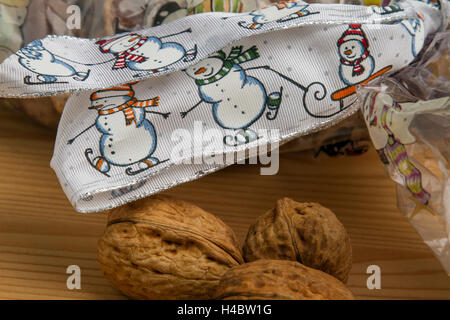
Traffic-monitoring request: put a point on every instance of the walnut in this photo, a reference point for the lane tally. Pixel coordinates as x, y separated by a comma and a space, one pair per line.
45, 110
305, 232
279, 279
59, 102
162, 248
41, 110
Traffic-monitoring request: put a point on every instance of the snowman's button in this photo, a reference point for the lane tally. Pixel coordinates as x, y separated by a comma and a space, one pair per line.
242, 112
113, 152
235, 106
110, 139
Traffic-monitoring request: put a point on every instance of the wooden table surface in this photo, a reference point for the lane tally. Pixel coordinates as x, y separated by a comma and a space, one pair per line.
41, 234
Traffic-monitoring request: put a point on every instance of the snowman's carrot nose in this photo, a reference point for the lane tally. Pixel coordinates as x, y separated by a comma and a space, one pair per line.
201, 70
132, 39
348, 51
96, 106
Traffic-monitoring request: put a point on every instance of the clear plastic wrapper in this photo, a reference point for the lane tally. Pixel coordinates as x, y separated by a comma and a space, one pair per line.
408, 119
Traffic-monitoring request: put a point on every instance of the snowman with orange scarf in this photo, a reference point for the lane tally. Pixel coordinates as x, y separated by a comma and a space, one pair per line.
128, 138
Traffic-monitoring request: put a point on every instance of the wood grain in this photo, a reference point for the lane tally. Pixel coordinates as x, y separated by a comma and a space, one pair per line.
40, 233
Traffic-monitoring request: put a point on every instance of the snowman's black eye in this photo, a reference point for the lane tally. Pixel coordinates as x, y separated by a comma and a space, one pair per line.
353, 47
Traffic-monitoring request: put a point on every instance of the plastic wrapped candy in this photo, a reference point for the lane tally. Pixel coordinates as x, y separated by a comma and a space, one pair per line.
408, 118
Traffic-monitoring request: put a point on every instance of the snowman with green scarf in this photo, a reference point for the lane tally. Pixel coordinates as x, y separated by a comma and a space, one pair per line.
238, 100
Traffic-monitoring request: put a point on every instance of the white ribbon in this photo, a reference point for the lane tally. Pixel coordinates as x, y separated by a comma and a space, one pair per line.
292, 67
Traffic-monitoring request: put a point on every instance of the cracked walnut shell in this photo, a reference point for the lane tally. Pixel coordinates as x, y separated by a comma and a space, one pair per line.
303, 232
279, 279
162, 248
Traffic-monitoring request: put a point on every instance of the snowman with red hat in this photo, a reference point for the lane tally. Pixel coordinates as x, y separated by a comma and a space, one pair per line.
128, 138
142, 53
356, 62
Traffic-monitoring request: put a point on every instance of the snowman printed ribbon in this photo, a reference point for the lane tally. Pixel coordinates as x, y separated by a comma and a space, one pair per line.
289, 67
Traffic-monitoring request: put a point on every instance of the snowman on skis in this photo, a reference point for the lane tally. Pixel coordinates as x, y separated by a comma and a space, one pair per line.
238, 100
141, 53
128, 138
356, 62
36, 58
280, 12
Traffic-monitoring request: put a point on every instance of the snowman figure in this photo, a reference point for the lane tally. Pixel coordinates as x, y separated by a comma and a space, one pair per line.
356, 62
12, 17
416, 29
35, 58
127, 138
388, 126
383, 10
238, 100
280, 12
145, 53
